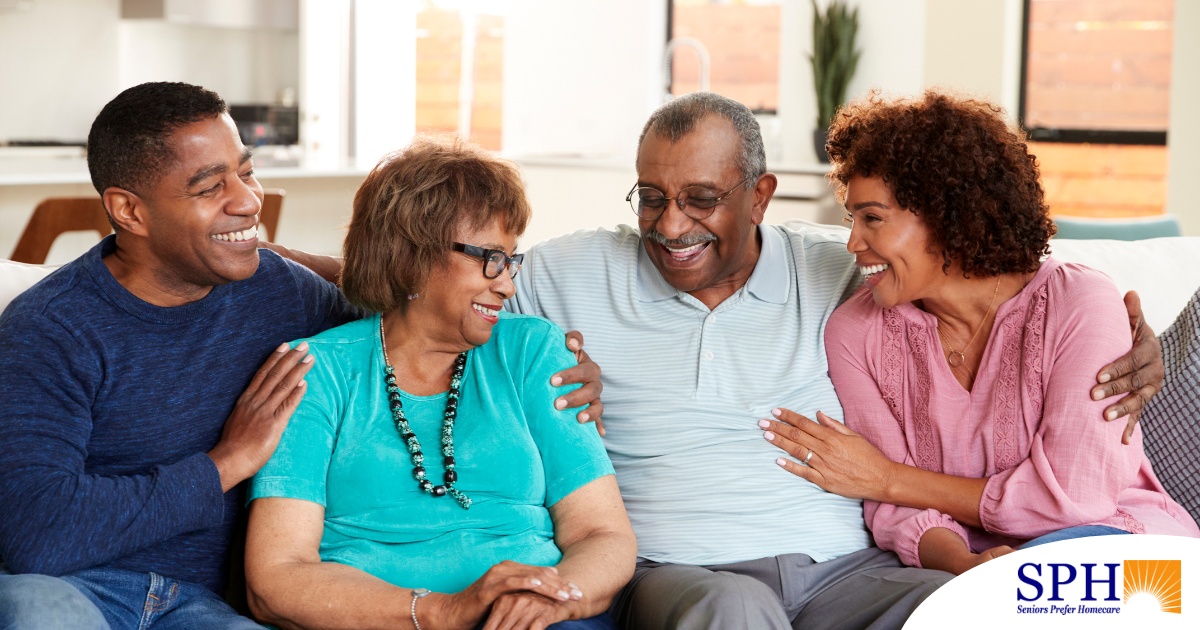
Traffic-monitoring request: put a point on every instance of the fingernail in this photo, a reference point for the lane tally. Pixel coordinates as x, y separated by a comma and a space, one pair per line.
1097, 394
283, 347
1110, 415
556, 380
302, 346
764, 423
1105, 377
583, 417
560, 404
781, 462
770, 436
563, 595
308, 358
576, 594
536, 582
302, 384
776, 413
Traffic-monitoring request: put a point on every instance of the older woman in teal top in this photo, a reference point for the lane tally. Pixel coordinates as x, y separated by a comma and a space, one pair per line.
426, 480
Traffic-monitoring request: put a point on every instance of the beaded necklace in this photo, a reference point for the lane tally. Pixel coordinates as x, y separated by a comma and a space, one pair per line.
410, 438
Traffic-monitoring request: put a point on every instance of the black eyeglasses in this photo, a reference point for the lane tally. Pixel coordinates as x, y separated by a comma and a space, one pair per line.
696, 202
494, 260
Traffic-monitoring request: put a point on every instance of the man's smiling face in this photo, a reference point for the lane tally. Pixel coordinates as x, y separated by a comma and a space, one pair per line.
712, 257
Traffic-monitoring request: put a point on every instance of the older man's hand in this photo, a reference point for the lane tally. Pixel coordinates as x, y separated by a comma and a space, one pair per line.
1139, 374
587, 373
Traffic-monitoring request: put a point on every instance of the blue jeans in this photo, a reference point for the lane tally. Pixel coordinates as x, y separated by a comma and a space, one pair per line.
600, 622
112, 599
1081, 531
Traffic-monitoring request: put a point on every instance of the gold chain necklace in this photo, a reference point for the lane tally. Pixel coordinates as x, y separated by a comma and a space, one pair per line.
957, 358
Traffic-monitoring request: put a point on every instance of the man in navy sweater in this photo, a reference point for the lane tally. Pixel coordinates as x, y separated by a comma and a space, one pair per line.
120, 433
122, 437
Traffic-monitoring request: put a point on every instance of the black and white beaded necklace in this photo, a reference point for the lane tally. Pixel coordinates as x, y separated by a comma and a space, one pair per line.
410, 438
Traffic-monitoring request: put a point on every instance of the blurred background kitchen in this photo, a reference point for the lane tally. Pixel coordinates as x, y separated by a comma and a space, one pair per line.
323, 88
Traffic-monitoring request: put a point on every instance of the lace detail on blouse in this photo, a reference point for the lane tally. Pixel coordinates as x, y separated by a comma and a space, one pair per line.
1008, 388
1035, 337
1132, 525
892, 378
918, 344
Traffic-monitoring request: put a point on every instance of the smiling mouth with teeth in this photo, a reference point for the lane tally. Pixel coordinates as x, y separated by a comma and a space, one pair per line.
247, 234
684, 253
486, 311
869, 270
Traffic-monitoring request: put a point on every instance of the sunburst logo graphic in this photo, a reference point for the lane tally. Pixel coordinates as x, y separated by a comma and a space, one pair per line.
1155, 582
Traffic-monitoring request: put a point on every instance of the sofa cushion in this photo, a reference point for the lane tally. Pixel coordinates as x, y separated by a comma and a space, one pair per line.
1164, 271
15, 277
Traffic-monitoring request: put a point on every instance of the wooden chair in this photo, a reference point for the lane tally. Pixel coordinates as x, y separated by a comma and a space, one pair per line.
58, 215
268, 217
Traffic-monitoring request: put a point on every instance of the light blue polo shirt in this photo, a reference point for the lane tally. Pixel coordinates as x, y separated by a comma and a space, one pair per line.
685, 387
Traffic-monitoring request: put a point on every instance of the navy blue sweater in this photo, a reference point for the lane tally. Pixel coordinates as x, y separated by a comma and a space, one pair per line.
109, 405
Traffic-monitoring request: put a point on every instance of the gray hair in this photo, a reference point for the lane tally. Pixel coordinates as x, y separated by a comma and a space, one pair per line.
680, 116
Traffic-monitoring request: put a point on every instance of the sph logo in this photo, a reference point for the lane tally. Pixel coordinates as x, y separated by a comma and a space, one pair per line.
1057, 585
1095, 582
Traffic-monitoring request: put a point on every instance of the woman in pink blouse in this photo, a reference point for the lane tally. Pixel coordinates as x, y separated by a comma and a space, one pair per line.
966, 357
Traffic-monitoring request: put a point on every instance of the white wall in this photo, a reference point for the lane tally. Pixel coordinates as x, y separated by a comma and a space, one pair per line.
1183, 138
62, 60
58, 67
243, 66
581, 77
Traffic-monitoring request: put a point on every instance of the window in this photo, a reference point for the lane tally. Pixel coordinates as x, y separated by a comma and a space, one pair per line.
741, 39
1094, 99
460, 67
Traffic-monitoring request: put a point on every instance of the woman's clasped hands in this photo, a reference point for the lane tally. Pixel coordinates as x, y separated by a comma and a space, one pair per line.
509, 595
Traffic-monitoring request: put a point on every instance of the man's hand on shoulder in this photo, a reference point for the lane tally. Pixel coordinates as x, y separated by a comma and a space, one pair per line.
1138, 375
586, 372
253, 430
327, 267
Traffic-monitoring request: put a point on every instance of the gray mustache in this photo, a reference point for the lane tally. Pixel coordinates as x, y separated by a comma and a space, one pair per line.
686, 240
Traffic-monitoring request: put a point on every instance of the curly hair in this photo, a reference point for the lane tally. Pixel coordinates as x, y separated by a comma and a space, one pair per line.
408, 211
956, 164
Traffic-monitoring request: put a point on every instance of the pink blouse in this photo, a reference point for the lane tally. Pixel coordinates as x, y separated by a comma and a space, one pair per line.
1028, 425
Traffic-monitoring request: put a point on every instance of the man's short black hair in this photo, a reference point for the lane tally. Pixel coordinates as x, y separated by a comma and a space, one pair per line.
127, 146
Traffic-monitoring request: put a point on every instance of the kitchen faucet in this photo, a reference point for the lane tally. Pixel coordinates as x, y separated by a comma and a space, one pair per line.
700, 49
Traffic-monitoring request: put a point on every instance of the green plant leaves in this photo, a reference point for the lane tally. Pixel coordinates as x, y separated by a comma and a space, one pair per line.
834, 57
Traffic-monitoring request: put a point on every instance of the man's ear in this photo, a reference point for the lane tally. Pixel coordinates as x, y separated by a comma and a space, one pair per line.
125, 209
763, 190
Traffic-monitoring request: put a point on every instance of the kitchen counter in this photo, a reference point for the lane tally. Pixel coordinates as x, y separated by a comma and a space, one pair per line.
35, 166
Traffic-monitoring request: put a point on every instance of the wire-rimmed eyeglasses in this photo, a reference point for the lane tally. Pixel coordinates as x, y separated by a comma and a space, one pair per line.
494, 260
696, 202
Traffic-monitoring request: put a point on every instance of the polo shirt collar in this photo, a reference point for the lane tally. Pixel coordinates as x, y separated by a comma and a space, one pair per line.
768, 282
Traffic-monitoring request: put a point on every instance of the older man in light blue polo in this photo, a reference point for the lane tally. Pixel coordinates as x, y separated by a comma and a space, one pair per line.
703, 321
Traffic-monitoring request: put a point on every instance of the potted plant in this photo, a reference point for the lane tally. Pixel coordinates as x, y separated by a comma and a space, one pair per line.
834, 60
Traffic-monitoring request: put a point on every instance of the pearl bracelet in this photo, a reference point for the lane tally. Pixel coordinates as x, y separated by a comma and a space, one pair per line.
417, 593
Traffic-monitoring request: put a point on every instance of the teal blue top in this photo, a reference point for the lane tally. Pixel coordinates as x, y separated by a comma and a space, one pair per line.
516, 456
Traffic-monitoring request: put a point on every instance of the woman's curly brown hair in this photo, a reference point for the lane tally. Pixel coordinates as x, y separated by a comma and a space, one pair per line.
956, 164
